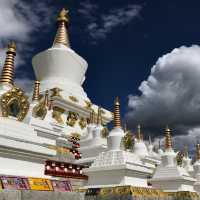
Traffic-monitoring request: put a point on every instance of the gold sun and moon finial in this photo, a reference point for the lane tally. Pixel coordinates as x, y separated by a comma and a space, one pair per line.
36, 91
168, 138
117, 117
198, 152
62, 32
7, 74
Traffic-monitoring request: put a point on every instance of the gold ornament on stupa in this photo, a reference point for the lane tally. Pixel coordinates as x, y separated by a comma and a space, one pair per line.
36, 91
7, 74
117, 117
168, 138
56, 92
62, 33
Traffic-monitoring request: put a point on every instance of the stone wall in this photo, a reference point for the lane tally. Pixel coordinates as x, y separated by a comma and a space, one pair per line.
39, 195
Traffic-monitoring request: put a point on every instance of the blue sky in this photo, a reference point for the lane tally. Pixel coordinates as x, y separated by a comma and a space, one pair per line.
129, 46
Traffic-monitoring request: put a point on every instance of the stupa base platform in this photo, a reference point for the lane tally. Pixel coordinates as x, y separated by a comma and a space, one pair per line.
42, 195
133, 193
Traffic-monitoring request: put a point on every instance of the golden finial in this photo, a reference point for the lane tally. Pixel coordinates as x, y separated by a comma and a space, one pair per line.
36, 91
168, 138
139, 134
186, 151
46, 98
7, 74
99, 117
117, 117
198, 152
62, 34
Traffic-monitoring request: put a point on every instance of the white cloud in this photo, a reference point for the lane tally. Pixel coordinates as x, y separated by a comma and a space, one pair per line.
170, 95
21, 21
101, 25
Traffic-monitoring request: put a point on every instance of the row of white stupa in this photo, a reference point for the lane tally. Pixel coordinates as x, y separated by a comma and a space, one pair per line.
142, 166
32, 130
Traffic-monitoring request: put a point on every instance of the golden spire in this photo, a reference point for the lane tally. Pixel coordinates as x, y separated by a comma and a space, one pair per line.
46, 99
99, 117
168, 138
7, 74
198, 152
139, 134
117, 117
62, 34
36, 91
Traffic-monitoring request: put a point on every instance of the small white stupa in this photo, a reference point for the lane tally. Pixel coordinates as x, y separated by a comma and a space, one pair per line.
187, 162
93, 142
168, 175
117, 167
140, 148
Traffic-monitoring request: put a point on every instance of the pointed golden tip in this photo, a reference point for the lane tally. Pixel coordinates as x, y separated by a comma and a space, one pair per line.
7, 74
12, 47
167, 129
63, 16
117, 102
117, 117
36, 91
62, 33
168, 138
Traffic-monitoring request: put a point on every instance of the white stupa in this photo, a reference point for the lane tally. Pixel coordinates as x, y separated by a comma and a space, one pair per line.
187, 162
168, 175
116, 167
32, 130
140, 148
